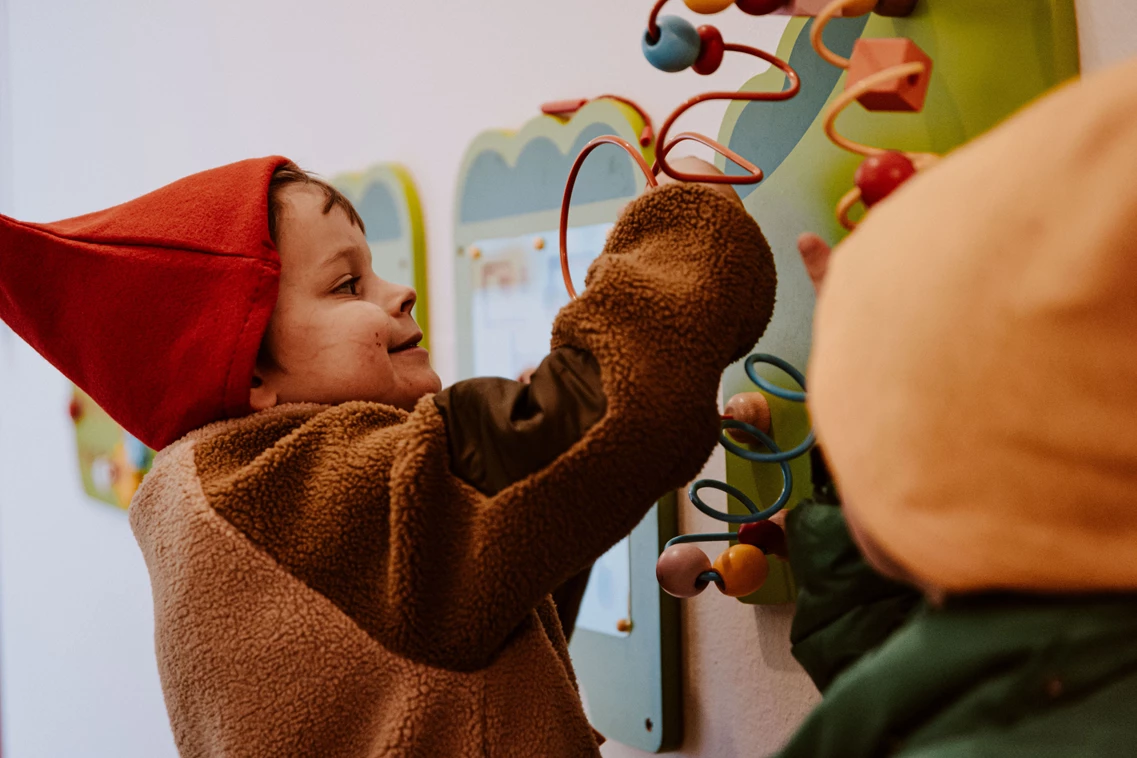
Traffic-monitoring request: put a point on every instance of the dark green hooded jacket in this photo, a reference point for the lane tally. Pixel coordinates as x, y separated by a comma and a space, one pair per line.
982, 675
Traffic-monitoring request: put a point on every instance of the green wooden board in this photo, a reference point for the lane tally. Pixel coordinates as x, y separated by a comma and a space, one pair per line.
990, 59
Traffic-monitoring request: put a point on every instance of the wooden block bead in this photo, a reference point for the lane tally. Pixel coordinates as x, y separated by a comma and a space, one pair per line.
901, 94
806, 8
711, 51
743, 569
676, 49
678, 570
707, 7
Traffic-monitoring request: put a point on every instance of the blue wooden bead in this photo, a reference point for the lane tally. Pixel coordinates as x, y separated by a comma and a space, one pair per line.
677, 47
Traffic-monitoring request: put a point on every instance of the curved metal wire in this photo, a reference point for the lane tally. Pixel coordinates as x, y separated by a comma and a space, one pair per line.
566, 200
776, 455
566, 108
753, 173
773, 389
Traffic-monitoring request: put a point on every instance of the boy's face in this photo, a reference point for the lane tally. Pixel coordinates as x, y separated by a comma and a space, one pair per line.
338, 332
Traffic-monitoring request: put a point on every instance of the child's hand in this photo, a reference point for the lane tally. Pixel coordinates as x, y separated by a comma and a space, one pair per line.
815, 255
692, 165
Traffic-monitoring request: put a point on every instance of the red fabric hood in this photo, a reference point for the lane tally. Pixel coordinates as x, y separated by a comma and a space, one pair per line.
155, 307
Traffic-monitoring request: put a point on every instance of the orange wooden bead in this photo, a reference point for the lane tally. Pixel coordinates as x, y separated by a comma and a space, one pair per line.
750, 408
708, 6
743, 569
902, 94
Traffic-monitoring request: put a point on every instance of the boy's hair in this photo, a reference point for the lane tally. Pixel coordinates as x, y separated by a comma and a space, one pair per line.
288, 174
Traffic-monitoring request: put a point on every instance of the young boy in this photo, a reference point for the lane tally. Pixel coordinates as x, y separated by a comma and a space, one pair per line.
974, 386
343, 562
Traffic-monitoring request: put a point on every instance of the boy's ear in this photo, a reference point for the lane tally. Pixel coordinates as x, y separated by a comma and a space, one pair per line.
261, 396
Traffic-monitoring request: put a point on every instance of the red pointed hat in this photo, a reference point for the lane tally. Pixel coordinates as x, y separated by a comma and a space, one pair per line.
155, 307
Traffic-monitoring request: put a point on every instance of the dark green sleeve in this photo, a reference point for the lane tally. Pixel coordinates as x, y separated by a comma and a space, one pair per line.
501, 431
844, 608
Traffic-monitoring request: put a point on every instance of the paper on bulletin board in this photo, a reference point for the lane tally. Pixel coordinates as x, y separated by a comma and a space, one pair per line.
516, 291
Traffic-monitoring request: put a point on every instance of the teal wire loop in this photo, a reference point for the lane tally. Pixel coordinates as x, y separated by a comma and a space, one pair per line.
709, 576
775, 455
773, 389
778, 456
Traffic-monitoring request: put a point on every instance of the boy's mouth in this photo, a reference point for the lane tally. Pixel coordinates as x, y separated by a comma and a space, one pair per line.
409, 344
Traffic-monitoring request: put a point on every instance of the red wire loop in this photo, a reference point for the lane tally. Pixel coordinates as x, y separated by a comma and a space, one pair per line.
753, 174
566, 201
653, 21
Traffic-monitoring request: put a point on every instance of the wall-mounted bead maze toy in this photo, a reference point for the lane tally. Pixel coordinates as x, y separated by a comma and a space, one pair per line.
780, 146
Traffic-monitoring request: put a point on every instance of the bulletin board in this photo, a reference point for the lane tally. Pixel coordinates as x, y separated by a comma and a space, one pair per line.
990, 59
386, 199
508, 282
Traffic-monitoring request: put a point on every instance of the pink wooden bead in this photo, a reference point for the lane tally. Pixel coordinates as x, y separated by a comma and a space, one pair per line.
678, 570
750, 408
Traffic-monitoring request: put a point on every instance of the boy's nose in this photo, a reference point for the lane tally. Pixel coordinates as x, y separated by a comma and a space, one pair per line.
407, 299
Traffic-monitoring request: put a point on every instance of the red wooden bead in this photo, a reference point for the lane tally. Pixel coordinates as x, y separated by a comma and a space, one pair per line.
904, 94
759, 7
678, 570
766, 536
711, 51
878, 176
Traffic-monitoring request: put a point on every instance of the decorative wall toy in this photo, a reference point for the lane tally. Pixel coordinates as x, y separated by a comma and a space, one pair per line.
387, 201
672, 44
866, 51
508, 290
112, 462
987, 60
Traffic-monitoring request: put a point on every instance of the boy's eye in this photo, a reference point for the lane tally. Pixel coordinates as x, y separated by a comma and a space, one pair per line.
350, 287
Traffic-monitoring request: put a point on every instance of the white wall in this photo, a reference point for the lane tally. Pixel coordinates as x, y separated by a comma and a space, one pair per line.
111, 98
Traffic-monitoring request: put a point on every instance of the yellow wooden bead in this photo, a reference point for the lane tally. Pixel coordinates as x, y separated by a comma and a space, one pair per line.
858, 7
743, 569
708, 6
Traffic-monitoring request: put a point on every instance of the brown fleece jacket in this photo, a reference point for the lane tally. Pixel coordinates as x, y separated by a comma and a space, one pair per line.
326, 585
